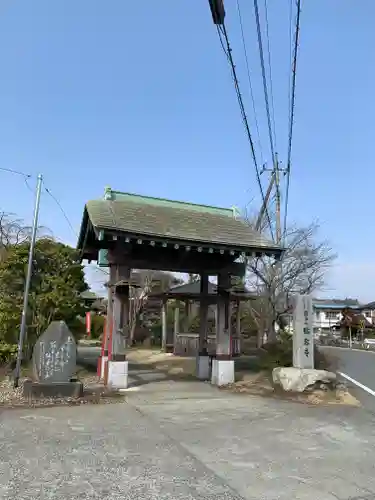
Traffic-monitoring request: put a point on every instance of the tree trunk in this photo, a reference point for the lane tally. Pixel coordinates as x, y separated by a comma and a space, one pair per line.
271, 333
132, 332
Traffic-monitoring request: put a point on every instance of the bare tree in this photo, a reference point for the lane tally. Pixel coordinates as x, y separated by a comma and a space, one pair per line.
138, 298
145, 282
302, 269
13, 231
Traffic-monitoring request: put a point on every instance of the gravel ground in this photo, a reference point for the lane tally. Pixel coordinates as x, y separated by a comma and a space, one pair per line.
94, 393
259, 384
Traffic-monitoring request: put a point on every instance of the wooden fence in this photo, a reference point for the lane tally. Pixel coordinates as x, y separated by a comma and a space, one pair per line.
186, 344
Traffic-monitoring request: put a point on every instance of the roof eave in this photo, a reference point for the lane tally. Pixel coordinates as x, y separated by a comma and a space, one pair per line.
275, 251
83, 229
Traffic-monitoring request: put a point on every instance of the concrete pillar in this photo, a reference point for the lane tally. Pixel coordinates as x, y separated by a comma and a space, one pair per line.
238, 318
164, 324
187, 316
117, 365
108, 335
223, 365
176, 329
203, 361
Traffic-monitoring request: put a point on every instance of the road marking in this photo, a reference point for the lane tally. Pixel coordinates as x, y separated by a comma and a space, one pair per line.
364, 387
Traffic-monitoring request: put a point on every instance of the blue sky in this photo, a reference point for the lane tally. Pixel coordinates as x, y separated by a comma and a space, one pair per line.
138, 96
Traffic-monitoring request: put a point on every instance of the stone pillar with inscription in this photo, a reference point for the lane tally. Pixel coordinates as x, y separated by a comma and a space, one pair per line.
303, 336
223, 365
117, 364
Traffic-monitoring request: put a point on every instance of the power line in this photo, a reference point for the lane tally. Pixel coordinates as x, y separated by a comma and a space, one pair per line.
249, 79
28, 185
290, 54
292, 105
228, 52
265, 88
68, 221
270, 73
62, 210
17, 172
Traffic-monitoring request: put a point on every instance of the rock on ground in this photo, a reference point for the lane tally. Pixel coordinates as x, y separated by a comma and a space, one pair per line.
298, 379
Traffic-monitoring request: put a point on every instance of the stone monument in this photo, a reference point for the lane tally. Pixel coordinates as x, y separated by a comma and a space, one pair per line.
303, 336
54, 364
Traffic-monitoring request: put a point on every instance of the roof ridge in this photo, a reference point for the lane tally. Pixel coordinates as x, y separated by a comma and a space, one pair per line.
169, 200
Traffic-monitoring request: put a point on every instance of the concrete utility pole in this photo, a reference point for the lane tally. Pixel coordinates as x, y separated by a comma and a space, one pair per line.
28, 281
274, 185
277, 199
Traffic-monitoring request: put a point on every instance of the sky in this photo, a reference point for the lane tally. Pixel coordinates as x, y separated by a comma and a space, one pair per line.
138, 96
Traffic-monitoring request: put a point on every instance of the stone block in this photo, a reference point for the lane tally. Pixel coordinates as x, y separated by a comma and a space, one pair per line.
39, 390
222, 372
118, 374
299, 379
203, 367
214, 371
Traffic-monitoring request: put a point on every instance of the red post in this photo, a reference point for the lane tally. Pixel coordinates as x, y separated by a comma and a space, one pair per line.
99, 368
88, 323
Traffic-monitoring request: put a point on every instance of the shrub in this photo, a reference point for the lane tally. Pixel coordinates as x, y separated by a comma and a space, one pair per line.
141, 333
97, 326
280, 353
156, 333
8, 353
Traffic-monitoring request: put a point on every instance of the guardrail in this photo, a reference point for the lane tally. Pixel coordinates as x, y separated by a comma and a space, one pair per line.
366, 344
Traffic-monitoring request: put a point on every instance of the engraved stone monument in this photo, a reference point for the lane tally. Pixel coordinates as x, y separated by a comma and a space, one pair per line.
55, 354
54, 364
303, 337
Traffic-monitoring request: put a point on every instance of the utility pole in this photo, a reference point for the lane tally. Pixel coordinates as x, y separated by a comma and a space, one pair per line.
28, 280
274, 185
278, 199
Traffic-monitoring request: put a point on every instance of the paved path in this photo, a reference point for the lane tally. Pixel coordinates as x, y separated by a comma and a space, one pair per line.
360, 366
187, 440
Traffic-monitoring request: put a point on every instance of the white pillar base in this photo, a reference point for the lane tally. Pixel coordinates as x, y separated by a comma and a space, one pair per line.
203, 367
118, 374
103, 361
222, 372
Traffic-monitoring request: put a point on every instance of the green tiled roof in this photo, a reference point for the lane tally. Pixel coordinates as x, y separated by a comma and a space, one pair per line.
150, 217
89, 295
163, 202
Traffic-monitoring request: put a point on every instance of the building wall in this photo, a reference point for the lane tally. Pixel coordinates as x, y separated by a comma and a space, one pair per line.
326, 318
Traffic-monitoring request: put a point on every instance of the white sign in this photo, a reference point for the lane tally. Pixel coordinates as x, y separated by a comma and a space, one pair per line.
303, 336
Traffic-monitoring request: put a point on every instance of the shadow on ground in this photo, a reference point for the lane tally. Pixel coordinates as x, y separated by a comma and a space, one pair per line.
144, 370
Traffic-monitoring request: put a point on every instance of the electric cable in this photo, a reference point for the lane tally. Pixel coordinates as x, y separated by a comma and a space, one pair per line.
228, 52
292, 106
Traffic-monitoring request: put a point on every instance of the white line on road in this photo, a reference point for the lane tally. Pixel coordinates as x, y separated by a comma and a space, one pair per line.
364, 387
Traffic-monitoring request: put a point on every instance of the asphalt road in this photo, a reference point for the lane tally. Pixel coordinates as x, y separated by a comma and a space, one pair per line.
360, 366
187, 440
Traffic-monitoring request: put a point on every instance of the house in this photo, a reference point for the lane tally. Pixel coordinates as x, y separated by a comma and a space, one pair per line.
328, 313
94, 302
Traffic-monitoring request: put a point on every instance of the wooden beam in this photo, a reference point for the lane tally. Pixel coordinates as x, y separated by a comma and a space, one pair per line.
159, 261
